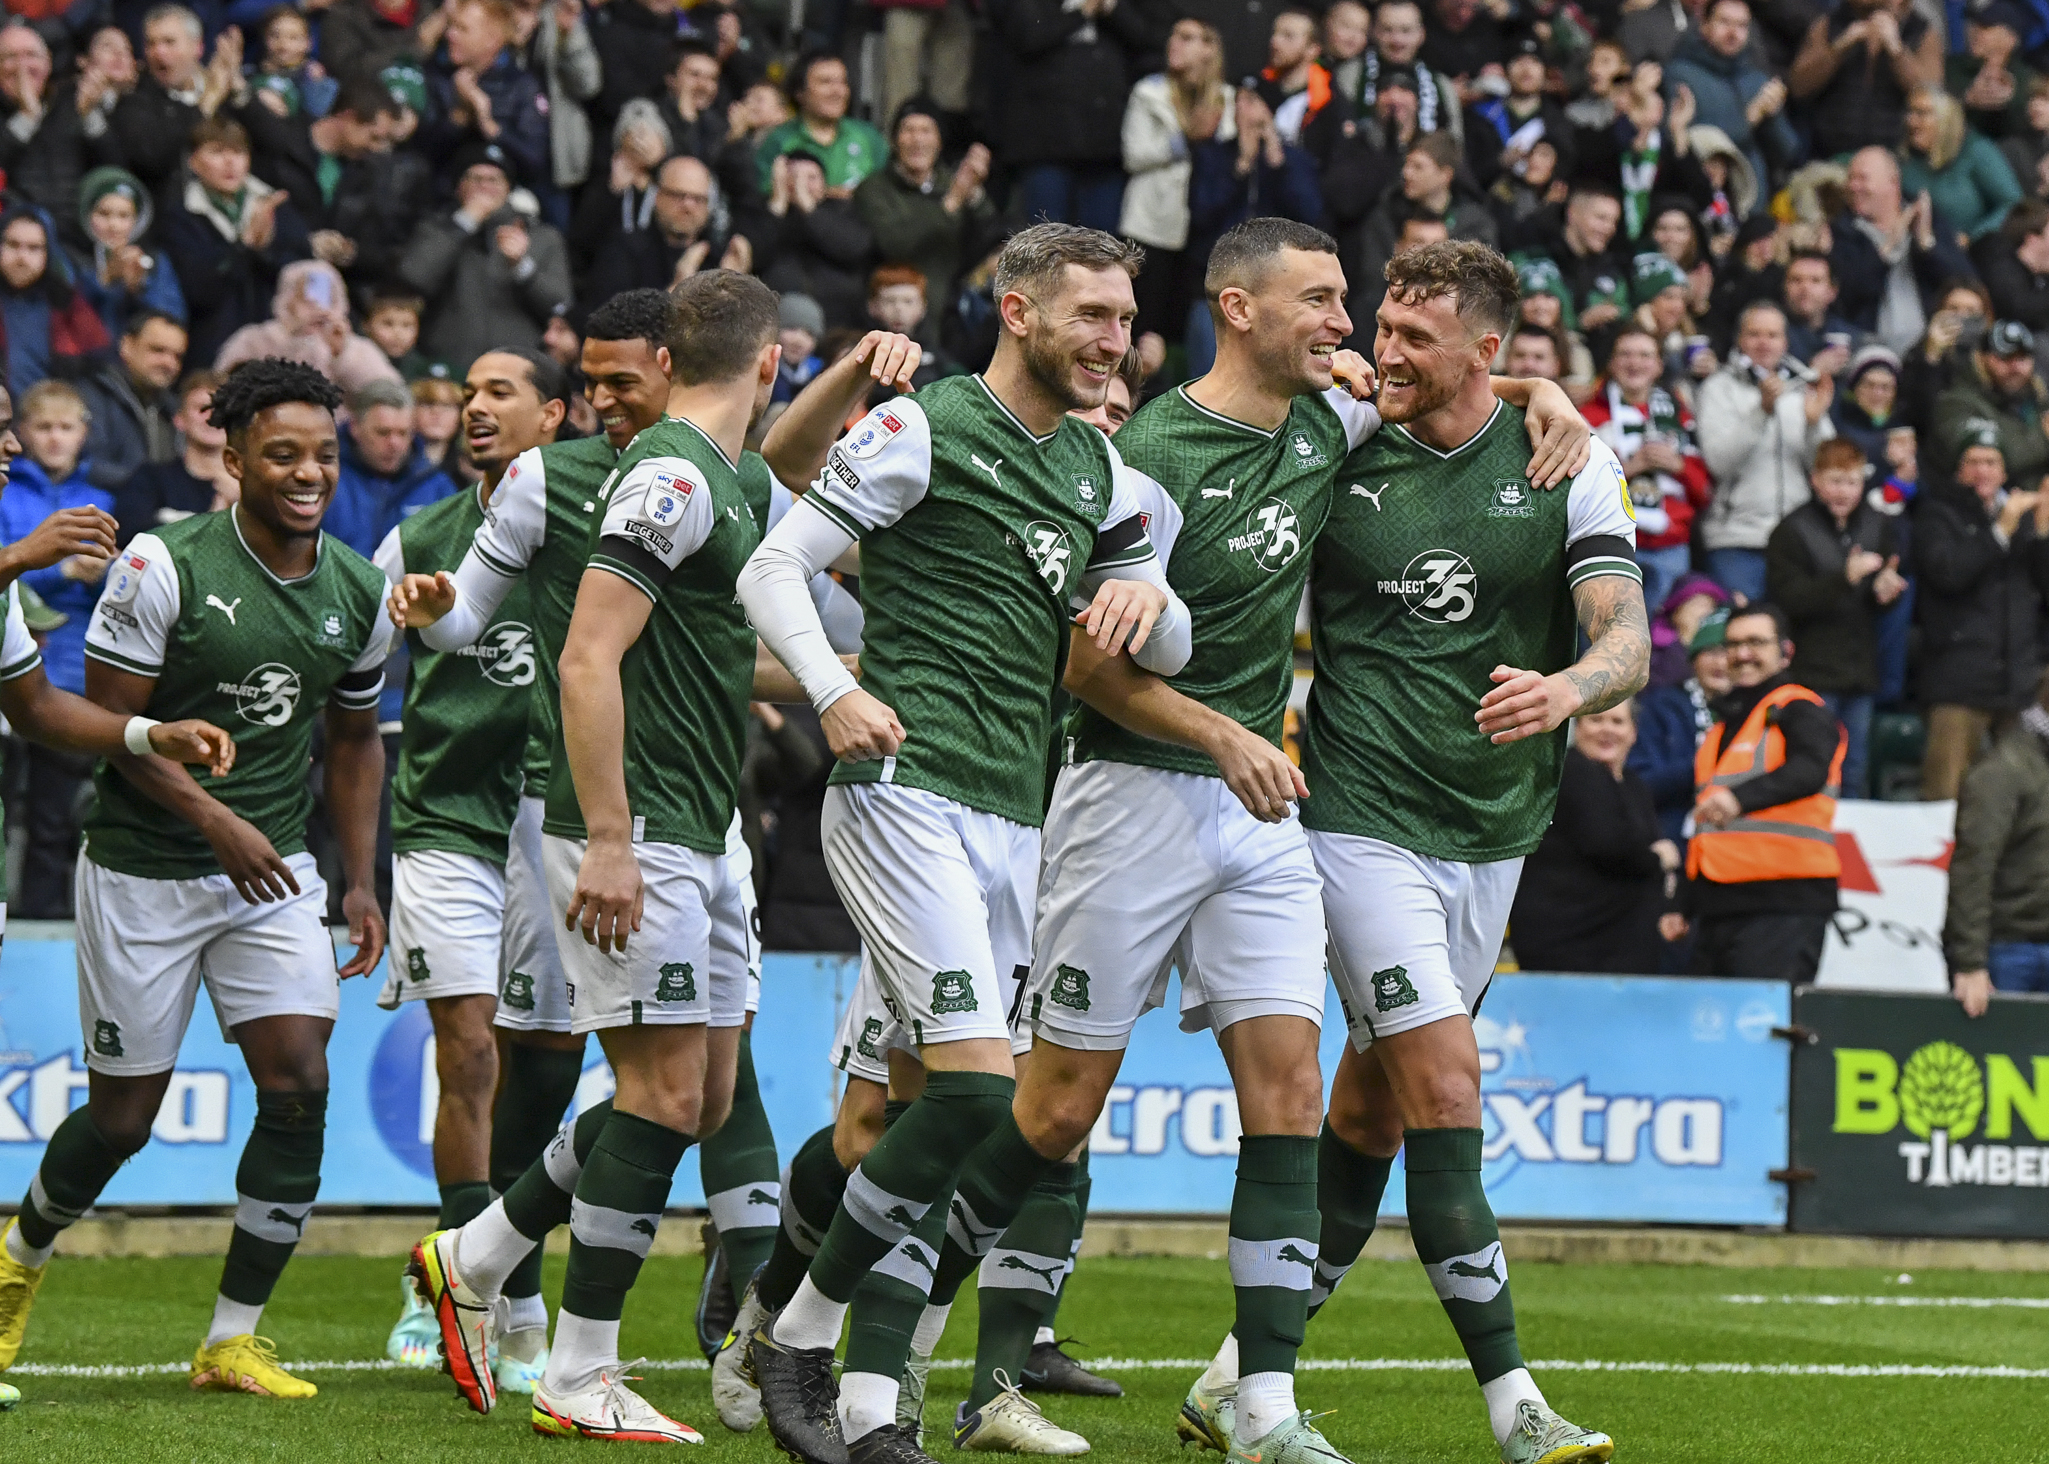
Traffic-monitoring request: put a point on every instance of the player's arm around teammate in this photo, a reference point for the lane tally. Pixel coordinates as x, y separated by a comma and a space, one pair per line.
797, 443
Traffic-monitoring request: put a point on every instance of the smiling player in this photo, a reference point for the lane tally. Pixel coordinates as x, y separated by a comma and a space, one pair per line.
256, 618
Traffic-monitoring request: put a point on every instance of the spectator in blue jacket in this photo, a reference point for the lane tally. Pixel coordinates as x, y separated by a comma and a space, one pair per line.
477, 91
1732, 92
51, 475
385, 475
1672, 720
119, 274
1253, 175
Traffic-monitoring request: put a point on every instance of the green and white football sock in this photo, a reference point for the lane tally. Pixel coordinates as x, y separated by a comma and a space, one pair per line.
1273, 1261
1453, 1229
1349, 1186
811, 1190
538, 1085
77, 1164
614, 1217
275, 1186
742, 1185
1020, 1280
996, 1183
911, 1168
491, 1247
887, 1309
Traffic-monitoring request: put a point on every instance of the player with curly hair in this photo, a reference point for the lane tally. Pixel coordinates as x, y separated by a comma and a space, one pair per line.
255, 619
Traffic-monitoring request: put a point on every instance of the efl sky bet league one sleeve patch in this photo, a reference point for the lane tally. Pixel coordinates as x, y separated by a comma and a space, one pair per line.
124, 578
877, 428
667, 495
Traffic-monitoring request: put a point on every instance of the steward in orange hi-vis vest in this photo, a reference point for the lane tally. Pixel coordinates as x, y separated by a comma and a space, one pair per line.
1788, 841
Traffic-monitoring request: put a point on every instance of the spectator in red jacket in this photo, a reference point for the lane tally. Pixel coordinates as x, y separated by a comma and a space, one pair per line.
1652, 433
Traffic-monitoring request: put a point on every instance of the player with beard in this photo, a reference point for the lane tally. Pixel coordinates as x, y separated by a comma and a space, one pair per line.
979, 507
455, 934
1438, 572
254, 617
1239, 470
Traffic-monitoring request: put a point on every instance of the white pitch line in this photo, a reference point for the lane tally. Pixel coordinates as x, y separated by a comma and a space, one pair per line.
1185, 1364
2031, 1303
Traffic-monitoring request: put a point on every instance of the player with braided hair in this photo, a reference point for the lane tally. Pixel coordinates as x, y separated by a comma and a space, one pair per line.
255, 619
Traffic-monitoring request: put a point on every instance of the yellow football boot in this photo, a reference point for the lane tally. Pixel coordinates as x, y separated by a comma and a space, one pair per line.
18, 1285
245, 1364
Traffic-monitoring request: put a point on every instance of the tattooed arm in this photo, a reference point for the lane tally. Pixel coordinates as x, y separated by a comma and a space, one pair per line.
1615, 667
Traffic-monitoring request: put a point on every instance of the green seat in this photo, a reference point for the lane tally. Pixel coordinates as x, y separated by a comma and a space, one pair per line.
1898, 741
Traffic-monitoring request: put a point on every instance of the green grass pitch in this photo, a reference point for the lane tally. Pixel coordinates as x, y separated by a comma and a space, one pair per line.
128, 1312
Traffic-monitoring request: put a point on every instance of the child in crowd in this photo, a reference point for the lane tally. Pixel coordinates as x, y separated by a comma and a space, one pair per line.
437, 418
120, 276
52, 425
896, 301
394, 324
803, 324
288, 80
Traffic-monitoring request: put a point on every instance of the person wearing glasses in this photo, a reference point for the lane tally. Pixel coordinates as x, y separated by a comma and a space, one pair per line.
1762, 864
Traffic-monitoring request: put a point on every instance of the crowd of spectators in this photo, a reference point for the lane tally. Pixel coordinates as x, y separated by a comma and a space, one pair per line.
1792, 258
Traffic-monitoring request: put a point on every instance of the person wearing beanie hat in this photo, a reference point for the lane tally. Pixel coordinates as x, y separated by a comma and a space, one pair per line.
117, 273
1539, 276
2000, 388
1867, 403
492, 273
921, 212
801, 325
1978, 549
1672, 719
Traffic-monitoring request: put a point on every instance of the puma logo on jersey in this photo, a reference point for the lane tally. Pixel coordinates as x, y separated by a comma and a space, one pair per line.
989, 468
215, 602
1371, 495
1223, 492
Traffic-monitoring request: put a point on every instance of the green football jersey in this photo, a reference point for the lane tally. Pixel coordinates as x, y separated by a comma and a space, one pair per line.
1239, 512
678, 527
974, 534
466, 711
1433, 569
191, 607
537, 529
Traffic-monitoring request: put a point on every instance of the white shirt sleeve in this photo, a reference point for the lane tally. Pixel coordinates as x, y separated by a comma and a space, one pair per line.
774, 586
1124, 550
839, 611
1600, 527
139, 603
514, 527
19, 653
391, 558
879, 471
1361, 419
659, 515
